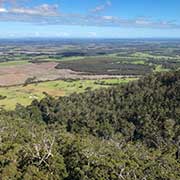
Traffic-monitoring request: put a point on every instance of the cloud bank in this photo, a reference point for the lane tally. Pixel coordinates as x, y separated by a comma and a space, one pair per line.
49, 14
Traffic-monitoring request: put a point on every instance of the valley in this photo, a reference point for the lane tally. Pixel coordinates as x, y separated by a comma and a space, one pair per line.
30, 69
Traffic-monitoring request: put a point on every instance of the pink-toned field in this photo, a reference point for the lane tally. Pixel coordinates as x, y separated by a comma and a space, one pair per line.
17, 74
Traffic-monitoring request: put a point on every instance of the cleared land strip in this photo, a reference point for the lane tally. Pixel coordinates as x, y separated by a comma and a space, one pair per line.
18, 74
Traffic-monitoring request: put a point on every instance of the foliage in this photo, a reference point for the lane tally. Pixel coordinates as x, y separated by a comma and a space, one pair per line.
126, 132
143, 110
105, 65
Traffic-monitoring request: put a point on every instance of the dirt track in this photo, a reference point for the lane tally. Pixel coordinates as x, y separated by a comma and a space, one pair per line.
14, 75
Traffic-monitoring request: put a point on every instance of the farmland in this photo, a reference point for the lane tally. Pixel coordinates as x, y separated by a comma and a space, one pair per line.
30, 69
25, 94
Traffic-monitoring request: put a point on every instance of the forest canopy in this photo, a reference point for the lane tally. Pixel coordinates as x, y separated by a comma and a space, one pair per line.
125, 132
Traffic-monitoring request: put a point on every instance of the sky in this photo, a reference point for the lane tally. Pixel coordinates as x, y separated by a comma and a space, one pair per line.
90, 18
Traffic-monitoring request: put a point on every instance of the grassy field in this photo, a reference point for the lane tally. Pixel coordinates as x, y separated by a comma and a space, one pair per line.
25, 95
45, 58
13, 63
146, 55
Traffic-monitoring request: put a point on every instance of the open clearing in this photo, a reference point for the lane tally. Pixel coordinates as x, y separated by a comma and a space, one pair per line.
48, 79
25, 94
17, 74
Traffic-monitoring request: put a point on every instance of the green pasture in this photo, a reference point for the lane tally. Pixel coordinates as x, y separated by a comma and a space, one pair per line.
25, 94
13, 63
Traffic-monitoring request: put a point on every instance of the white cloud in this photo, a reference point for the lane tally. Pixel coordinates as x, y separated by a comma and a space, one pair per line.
42, 10
101, 7
48, 14
108, 17
3, 10
142, 22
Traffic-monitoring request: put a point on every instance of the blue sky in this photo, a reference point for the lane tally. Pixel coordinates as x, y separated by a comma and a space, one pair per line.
90, 18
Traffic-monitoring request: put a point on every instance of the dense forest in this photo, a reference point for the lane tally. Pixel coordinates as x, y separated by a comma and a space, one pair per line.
110, 66
127, 132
